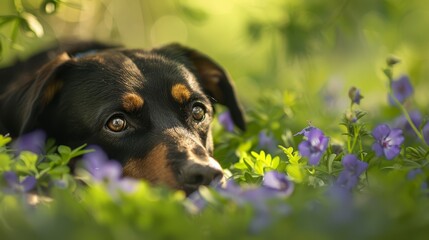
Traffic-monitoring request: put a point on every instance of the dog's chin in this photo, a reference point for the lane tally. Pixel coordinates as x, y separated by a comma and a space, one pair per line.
216, 183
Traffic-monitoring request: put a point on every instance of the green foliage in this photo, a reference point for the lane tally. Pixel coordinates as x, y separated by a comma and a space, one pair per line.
388, 200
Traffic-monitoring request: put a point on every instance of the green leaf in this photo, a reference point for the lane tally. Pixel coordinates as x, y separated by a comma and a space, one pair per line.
254, 154
29, 159
249, 162
43, 165
259, 167
240, 166
6, 19
80, 151
5, 162
331, 159
275, 163
268, 159
4, 140
295, 172
54, 159
30, 23
251, 178
244, 147
60, 170
64, 150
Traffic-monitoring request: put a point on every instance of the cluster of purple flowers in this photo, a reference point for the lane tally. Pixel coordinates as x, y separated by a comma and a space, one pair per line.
275, 185
33, 142
108, 171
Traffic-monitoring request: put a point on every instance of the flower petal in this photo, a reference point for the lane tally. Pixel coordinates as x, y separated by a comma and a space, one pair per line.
33, 142
225, 120
314, 134
28, 183
278, 182
392, 152
376, 147
304, 131
314, 158
402, 88
304, 149
396, 137
381, 131
93, 161
11, 178
111, 170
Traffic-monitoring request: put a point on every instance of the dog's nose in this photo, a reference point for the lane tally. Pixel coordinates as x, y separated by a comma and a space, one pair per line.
198, 174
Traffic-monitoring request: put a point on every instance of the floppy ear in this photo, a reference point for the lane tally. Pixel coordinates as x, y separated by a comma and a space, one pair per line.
213, 78
24, 102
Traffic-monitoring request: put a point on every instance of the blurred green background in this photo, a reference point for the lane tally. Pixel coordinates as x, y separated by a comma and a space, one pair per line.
314, 49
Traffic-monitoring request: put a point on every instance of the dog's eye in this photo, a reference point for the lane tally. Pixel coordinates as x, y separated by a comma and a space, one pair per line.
116, 124
198, 112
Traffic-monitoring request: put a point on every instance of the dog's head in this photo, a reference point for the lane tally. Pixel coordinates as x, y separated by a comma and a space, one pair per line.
150, 110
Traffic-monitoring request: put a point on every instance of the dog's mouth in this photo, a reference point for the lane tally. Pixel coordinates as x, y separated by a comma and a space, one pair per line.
196, 173
217, 182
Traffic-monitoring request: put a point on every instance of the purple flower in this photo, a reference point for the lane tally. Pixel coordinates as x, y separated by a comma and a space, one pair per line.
314, 145
401, 89
104, 170
225, 120
100, 167
426, 133
402, 123
387, 141
416, 173
33, 142
304, 131
275, 185
279, 183
354, 95
353, 168
15, 185
266, 141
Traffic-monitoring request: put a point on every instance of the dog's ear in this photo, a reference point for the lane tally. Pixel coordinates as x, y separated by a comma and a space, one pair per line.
213, 78
25, 102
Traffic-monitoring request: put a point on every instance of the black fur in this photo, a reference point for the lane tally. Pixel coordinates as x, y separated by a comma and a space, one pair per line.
71, 92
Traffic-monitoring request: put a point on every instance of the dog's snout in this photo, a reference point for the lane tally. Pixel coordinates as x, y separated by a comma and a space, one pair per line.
197, 174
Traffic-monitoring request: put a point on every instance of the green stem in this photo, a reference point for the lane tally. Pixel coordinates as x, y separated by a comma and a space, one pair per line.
407, 116
348, 144
19, 6
361, 148
388, 72
356, 135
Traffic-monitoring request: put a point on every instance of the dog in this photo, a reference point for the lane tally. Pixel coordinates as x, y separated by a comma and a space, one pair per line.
151, 110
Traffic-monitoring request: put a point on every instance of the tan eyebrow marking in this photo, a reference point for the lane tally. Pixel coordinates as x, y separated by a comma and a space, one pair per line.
132, 102
180, 93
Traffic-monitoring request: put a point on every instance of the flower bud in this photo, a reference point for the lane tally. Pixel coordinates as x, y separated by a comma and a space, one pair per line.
392, 60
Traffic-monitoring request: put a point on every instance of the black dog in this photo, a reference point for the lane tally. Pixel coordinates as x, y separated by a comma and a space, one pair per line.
150, 110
